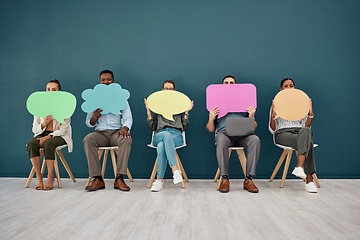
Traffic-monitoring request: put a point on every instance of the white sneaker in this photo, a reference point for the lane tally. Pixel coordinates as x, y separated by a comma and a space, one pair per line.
310, 187
177, 177
157, 186
299, 172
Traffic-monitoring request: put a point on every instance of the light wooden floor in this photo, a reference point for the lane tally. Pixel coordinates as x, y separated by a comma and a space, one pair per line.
197, 212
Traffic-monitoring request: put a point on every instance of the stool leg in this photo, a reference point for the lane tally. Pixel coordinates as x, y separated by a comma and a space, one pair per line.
288, 158
89, 181
104, 163
178, 163
153, 174
219, 183
316, 180
242, 158
113, 160
57, 172
129, 175
281, 159
31, 175
217, 175
181, 167
67, 168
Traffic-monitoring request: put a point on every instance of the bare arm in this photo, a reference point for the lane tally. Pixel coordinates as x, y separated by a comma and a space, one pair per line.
311, 115
212, 115
148, 112
272, 118
251, 110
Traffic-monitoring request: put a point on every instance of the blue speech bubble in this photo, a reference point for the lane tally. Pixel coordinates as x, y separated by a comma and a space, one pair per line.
110, 98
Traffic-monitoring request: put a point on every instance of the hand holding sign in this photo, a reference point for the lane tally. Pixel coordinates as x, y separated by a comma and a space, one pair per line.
168, 103
291, 104
230, 97
59, 104
109, 98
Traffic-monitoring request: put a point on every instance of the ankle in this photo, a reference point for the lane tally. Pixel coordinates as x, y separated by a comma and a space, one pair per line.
225, 177
118, 176
99, 178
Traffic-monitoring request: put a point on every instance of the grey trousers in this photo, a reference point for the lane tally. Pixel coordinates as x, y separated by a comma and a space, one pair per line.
106, 138
252, 144
301, 139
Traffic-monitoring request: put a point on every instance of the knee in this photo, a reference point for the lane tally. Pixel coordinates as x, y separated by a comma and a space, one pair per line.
160, 147
306, 131
221, 140
48, 144
166, 135
32, 143
87, 139
125, 141
254, 140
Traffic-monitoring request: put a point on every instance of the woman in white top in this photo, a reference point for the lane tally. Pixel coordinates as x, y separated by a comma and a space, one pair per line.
49, 134
298, 135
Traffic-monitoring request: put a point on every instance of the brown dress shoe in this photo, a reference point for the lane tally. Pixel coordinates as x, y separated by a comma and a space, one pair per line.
96, 184
224, 186
250, 186
121, 185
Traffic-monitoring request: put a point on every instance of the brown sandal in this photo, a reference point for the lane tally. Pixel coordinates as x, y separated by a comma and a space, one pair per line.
39, 186
48, 187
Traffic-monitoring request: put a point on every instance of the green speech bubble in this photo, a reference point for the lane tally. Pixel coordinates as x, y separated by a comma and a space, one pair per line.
59, 104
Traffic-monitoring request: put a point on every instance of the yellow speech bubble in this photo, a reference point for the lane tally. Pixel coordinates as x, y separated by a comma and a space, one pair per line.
168, 103
291, 104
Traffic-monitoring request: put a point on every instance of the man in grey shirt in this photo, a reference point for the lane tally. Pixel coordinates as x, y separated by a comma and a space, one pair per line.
223, 142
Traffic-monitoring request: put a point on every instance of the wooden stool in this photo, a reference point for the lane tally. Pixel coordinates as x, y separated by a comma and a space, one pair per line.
242, 159
105, 150
288, 153
153, 174
56, 166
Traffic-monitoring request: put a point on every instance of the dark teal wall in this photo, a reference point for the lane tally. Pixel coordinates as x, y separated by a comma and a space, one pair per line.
195, 43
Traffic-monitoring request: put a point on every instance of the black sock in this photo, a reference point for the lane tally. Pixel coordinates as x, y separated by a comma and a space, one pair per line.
99, 177
225, 177
248, 177
118, 176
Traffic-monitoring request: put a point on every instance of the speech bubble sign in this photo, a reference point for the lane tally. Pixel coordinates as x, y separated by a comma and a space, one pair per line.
168, 103
110, 98
291, 104
230, 97
59, 104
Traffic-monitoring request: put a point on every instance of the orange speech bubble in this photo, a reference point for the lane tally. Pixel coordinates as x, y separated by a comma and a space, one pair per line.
291, 104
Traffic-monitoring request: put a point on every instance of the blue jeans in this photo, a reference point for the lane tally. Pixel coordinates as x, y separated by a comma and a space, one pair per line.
166, 140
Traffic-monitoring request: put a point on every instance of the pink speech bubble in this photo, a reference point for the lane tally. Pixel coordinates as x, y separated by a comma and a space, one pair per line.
230, 97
